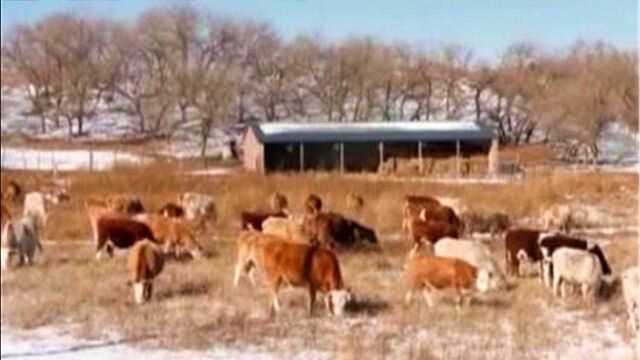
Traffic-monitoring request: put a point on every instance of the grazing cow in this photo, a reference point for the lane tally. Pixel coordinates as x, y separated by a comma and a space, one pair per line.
145, 263
299, 265
355, 203
199, 208
119, 231
171, 210
520, 245
557, 218
174, 234
286, 228
20, 238
551, 242
12, 192
474, 253
494, 223
431, 231
313, 204
334, 230
433, 273
119, 203
254, 220
279, 202
630, 283
576, 266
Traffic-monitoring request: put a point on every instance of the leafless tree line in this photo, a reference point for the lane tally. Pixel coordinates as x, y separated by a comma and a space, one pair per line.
173, 66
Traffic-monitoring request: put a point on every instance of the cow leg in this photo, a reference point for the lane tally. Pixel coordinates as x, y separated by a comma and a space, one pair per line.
110, 250
275, 303
312, 299
237, 274
556, 285
148, 290
408, 297
138, 292
427, 296
563, 289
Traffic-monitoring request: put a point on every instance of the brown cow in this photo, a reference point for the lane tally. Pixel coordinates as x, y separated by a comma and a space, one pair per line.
355, 203
442, 213
413, 206
12, 192
299, 265
335, 230
254, 220
313, 204
118, 231
175, 235
432, 231
145, 263
433, 273
520, 244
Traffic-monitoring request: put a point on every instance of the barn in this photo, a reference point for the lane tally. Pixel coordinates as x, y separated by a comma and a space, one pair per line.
355, 147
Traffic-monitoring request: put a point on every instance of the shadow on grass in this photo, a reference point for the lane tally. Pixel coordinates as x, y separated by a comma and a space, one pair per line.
366, 306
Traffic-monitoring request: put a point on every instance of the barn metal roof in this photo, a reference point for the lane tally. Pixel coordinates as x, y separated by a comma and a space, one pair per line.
372, 131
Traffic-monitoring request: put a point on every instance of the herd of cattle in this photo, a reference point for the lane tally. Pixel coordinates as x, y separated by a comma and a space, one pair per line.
303, 250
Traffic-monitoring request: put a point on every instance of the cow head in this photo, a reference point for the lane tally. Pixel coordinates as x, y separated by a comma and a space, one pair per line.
338, 300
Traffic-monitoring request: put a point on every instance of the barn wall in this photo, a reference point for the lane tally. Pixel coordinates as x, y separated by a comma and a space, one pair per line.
253, 150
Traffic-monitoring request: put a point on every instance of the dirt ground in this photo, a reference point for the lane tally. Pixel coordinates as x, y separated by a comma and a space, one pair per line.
196, 306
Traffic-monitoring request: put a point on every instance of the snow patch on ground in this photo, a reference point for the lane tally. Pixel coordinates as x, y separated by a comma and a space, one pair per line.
65, 160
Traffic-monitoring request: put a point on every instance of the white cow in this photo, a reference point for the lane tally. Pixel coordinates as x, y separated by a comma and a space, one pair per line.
630, 283
36, 204
20, 238
199, 208
473, 252
578, 267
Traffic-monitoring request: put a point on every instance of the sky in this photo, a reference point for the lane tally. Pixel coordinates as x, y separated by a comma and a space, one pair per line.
487, 27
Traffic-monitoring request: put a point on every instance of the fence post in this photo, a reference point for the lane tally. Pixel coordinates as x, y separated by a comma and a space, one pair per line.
90, 158
37, 160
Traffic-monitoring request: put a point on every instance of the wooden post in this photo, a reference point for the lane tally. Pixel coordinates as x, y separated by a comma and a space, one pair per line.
458, 158
301, 157
91, 159
381, 154
341, 157
493, 162
420, 164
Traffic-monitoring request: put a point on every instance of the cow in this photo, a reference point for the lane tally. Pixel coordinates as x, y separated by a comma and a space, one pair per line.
412, 207
116, 204
298, 265
253, 220
145, 262
431, 231
354, 202
557, 218
36, 204
171, 210
433, 273
520, 245
494, 223
20, 238
12, 192
549, 243
441, 214
174, 234
630, 283
287, 228
313, 204
454, 203
114, 230
279, 202
199, 209
474, 253
336, 231
576, 266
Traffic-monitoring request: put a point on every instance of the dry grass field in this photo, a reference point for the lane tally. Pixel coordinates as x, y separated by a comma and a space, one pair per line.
197, 307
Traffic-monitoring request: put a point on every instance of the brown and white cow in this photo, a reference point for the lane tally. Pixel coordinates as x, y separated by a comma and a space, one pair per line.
173, 234
412, 207
200, 209
298, 265
431, 274
171, 210
114, 230
521, 246
253, 220
145, 262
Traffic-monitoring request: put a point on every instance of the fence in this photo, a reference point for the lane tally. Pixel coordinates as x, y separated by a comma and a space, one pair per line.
67, 160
